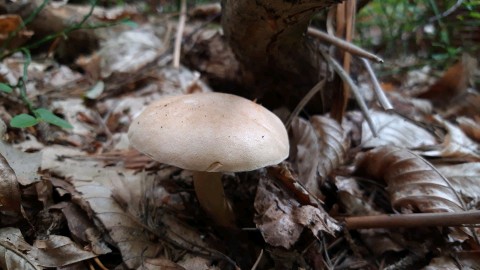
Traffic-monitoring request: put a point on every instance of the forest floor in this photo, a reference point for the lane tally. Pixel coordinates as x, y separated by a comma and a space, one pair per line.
75, 195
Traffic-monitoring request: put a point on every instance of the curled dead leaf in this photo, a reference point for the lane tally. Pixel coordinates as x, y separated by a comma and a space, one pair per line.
470, 127
317, 148
456, 145
10, 199
281, 219
412, 182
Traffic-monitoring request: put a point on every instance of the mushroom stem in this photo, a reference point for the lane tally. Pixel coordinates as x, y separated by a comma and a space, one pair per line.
210, 195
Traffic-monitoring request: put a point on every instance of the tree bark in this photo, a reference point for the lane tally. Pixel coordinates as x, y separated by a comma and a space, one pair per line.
269, 39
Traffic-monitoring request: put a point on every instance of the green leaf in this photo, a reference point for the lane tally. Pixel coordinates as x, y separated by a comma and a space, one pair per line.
23, 120
5, 88
51, 118
130, 23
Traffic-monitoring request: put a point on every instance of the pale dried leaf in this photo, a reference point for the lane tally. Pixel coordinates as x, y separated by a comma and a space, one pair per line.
411, 181
395, 130
196, 263
129, 51
25, 165
58, 251
333, 144
10, 199
11, 246
465, 178
304, 153
456, 145
159, 263
317, 148
93, 183
282, 219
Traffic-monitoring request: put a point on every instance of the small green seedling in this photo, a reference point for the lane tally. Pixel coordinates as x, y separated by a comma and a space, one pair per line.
26, 120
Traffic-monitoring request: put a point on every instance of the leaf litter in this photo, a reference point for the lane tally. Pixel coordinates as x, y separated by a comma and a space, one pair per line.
74, 199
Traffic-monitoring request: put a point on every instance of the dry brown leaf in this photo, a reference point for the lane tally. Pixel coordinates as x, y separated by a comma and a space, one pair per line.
395, 130
318, 147
459, 260
281, 219
412, 182
352, 198
82, 228
10, 199
12, 246
470, 127
159, 263
58, 251
456, 145
453, 83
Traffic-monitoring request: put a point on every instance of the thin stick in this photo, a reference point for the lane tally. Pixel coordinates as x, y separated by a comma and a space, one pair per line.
178, 38
381, 97
315, 89
353, 49
414, 220
258, 260
356, 92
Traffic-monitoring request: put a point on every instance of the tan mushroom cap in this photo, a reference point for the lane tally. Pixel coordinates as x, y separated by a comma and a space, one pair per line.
213, 132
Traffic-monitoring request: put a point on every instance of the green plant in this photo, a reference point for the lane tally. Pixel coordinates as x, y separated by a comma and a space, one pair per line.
429, 30
37, 115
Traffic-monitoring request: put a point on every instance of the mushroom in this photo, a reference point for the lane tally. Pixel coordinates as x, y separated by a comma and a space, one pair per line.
210, 133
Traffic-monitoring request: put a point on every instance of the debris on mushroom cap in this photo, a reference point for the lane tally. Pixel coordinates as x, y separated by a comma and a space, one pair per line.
214, 132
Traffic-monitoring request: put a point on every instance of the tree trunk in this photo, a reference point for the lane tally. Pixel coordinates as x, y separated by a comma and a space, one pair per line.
279, 62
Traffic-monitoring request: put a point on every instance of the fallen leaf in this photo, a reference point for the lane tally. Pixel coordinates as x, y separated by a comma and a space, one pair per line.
129, 51
317, 148
464, 260
25, 165
453, 83
281, 219
159, 263
304, 149
456, 145
470, 127
395, 130
12, 246
82, 228
412, 182
465, 179
10, 199
333, 144
57, 251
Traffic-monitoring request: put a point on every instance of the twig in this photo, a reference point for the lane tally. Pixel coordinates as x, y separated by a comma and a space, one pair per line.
258, 260
447, 12
353, 49
178, 38
312, 92
381, 97
457, 219
356, 92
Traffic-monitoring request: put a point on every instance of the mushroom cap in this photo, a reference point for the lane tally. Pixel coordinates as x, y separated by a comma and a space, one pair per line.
213, 132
